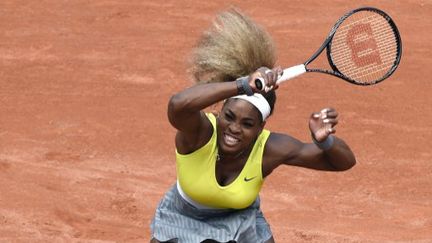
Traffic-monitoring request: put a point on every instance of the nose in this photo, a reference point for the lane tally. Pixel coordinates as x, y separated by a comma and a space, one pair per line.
234, 128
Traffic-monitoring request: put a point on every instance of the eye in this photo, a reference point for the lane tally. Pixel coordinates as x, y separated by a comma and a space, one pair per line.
248, 124
228, 116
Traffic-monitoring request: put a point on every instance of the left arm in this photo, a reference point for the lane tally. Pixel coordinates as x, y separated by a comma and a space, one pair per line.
327, 153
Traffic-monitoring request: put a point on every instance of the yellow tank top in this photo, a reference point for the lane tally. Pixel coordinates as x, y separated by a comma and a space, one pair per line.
196, 173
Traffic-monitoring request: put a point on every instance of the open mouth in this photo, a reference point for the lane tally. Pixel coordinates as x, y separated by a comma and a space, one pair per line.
231, 140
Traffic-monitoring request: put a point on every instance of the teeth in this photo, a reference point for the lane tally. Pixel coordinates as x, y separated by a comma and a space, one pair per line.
231, 140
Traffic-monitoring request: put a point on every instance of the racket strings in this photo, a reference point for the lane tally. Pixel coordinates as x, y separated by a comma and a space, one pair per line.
364, 47
346, 27
382, 39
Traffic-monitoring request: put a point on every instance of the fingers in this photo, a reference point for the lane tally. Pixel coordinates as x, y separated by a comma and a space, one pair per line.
279, 71
268, 77
329, 112
327, 118
273, 75
325, 113
329, 125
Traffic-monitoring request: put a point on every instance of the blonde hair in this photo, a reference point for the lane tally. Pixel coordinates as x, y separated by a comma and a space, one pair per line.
235, 46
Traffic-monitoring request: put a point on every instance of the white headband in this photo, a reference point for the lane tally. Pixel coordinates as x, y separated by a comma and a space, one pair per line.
259, 102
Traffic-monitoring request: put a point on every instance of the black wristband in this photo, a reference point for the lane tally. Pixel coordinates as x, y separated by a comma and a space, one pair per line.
240, 89
324, 145
243, 86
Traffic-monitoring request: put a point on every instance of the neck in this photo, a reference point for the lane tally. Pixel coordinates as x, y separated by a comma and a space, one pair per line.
222, 157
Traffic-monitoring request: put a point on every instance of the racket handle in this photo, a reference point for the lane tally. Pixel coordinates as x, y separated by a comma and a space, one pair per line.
291, 72
288, 74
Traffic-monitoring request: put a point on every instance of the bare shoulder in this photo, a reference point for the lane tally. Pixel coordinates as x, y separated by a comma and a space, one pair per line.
279, 149
281, 144
187, 142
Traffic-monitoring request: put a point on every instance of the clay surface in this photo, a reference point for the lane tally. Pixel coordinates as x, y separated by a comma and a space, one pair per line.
86, 150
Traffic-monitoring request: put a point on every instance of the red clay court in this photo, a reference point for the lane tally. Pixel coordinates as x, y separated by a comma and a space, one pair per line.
86, 150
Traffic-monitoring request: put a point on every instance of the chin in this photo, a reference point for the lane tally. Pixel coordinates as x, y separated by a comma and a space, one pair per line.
229, 150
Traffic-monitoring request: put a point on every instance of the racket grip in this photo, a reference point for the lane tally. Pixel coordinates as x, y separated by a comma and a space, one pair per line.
288, 74
291, 72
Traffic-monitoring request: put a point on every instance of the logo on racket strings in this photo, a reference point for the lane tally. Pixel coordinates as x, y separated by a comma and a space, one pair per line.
364, 49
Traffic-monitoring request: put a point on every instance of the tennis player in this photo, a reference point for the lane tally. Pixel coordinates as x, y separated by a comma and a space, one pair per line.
223, 160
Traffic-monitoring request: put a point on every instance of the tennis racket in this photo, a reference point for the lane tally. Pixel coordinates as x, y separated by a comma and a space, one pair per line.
364, 48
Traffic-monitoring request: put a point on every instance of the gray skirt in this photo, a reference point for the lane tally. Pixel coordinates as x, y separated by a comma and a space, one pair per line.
177, 220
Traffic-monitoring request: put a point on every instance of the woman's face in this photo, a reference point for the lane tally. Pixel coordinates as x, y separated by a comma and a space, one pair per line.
238, 126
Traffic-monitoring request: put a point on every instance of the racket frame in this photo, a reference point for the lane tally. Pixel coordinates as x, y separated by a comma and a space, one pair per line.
327, 44
294, 71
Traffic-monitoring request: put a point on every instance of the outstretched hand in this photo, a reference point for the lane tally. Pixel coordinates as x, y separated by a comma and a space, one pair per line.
322, 124
270, 77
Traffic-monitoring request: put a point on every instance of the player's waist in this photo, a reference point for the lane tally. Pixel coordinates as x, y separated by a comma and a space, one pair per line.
190, 200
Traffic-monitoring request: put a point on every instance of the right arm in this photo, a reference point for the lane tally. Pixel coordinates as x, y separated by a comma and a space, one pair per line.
184, 113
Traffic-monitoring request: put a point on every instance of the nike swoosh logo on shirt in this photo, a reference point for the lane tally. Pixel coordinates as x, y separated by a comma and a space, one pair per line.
249, 179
